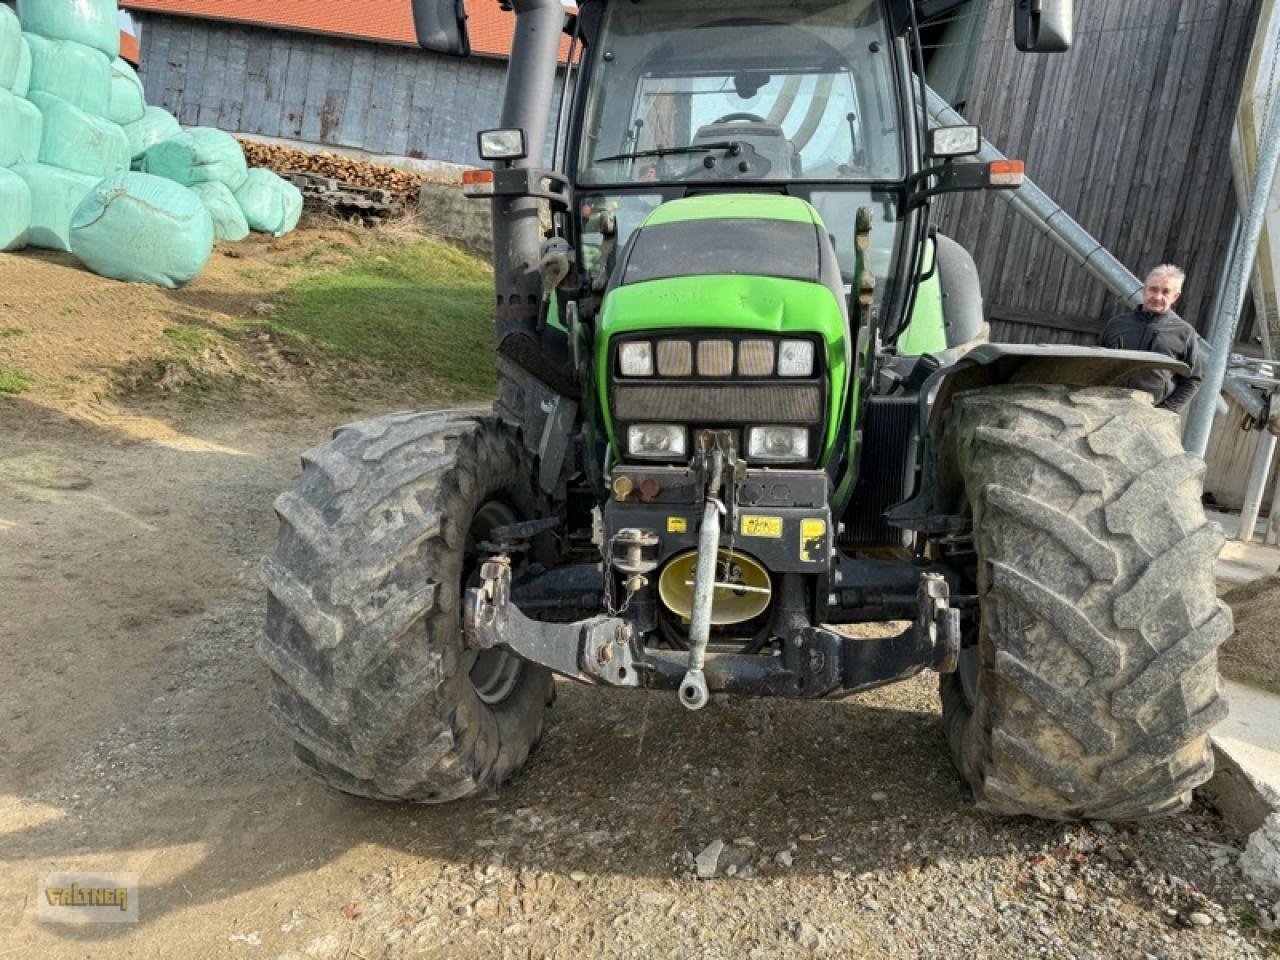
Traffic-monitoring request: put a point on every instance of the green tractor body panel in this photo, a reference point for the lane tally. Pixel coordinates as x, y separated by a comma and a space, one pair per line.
927, 332
681, 298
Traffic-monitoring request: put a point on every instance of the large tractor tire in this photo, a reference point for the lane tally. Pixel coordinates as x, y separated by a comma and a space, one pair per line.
371, 678
1090, 686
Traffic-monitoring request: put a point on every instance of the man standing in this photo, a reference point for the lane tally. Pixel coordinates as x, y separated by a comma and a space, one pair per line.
1156, 328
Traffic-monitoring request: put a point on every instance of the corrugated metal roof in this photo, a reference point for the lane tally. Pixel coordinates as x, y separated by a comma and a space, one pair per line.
386, 21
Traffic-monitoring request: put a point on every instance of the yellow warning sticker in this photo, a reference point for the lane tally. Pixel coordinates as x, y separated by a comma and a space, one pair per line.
761, 526
677, 525
813, 535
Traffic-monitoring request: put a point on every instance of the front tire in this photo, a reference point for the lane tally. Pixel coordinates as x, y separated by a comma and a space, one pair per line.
371, 678
1091, 685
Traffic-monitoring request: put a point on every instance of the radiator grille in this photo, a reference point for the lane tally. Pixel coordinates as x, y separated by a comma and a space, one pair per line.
721, 403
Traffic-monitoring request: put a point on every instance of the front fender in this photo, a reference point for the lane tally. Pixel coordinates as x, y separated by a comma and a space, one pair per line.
992, 364
996, 363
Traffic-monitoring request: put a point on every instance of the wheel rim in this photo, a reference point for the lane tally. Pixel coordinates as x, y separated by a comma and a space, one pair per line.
495, 673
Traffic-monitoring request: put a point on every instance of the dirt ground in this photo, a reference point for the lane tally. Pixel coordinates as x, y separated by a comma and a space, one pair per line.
1253, 654
136, 735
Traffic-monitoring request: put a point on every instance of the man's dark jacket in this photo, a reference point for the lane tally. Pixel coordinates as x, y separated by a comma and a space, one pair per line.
1165, 333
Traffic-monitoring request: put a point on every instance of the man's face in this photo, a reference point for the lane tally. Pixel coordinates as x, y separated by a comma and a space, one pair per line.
1161, 293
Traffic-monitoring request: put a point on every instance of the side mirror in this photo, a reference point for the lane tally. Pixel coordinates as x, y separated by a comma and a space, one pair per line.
441, 26
949, 142
1042, 26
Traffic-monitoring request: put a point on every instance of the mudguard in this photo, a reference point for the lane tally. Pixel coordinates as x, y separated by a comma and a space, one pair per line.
997, 363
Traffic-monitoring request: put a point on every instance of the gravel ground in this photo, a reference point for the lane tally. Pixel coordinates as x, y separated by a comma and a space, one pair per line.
138, 739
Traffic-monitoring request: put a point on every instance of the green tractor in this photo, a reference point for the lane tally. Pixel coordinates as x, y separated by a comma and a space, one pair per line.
746, 398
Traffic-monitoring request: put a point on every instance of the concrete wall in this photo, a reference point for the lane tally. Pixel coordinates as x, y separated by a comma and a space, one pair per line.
376, 98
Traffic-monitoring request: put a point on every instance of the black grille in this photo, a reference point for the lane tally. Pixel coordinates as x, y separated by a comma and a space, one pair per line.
888, 443
722, 403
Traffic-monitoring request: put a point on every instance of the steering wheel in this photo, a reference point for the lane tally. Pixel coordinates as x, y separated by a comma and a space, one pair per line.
747, 117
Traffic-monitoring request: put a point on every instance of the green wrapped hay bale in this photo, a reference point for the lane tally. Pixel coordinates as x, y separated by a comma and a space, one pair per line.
8, 128
228, 219
80, 141
10, 48
144, 229
270, 204
55, 194
128, 101
20, 128
94, 23
22, 83
30, 131
15, 211
156, 125
72, 72
198, 155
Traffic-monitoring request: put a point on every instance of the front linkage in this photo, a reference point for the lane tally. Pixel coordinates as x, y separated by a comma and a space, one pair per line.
611, 649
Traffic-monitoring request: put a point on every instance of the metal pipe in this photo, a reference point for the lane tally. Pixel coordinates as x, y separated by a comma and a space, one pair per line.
1223, 325
1033, 204
1258, 475
517, 232
1273, 525
693, 688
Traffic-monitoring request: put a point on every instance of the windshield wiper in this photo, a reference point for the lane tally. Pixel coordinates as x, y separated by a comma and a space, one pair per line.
731, 145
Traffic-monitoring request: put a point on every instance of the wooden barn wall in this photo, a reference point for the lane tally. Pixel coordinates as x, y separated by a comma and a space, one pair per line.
1129, 132
380, 98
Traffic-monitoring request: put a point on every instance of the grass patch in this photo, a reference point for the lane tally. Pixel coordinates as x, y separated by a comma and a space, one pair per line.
189, 339
14, 381
1245, 915
417, 309
11, 332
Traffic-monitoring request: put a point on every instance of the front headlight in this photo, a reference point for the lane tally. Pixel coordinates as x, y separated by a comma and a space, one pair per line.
795, 358
636, 359
778, 444
657, 441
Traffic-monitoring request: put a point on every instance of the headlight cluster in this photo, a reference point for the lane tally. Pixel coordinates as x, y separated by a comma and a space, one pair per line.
657, 441
717, 358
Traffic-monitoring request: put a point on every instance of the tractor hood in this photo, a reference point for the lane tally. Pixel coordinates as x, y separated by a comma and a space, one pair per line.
752, 263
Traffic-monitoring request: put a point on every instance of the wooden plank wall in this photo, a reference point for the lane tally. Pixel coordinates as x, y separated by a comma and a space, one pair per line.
379, 98
1129, 132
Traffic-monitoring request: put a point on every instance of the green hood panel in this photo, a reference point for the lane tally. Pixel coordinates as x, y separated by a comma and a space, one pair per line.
734, 206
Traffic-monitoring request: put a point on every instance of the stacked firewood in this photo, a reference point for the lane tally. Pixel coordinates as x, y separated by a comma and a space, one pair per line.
403, 185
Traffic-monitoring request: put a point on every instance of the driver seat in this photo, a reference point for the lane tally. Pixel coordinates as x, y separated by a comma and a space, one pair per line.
767, 139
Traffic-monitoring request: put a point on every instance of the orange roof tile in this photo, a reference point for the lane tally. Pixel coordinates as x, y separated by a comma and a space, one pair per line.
129, 48
386, 21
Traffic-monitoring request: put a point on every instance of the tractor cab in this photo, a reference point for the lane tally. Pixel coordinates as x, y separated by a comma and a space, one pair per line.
802, 99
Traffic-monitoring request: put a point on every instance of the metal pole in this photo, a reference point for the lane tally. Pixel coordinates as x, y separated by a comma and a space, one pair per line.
1047, 216
1223, 328
1273, 525
1258, 475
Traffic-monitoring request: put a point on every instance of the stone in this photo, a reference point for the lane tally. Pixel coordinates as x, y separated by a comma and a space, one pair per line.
1260, 861
321, 948
708, 861
1199, 919
879, 797
806, 935
783, 858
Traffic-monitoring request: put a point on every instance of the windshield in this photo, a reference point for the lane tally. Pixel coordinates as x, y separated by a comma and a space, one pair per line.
800, 90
